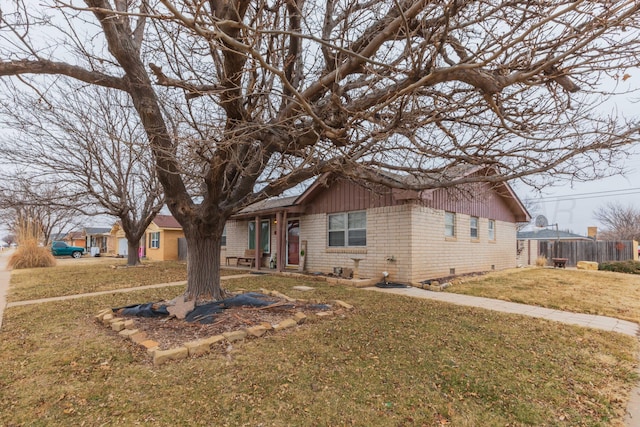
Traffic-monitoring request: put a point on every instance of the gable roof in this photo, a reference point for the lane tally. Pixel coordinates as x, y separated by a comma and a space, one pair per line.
550, 234
166, 221
295, 204
96, 230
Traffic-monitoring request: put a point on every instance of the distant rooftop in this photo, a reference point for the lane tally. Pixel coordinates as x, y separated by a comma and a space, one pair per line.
550, 234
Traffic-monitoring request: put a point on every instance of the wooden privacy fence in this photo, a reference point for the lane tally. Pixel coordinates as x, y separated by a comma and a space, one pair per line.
599, 251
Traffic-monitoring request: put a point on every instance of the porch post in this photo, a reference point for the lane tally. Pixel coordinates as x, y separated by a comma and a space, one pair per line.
279, 245
257, 253
285, 232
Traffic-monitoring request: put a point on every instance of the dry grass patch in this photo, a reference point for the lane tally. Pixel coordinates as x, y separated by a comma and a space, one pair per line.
30, 255
593, 292
394, 361
93, 275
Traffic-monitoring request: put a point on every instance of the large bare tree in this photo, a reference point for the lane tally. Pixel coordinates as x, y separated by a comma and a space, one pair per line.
89, 141
27, 201
620, 222
252, 97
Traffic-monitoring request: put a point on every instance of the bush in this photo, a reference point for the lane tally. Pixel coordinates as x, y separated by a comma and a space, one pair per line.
30, 255
630, 266
541, 261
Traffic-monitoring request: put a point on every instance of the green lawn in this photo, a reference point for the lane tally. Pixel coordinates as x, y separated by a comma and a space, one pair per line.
394, 361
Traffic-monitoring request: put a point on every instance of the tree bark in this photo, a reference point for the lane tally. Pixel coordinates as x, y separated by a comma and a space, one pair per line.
203, 262
133, 256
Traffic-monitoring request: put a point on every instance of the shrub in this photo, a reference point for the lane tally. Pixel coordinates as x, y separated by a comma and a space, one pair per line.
541, 261
30, 255
630, 266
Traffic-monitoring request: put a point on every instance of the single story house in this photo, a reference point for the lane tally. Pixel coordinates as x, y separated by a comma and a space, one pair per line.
161, 238
97, 240
75, 238
529, 242
338, 223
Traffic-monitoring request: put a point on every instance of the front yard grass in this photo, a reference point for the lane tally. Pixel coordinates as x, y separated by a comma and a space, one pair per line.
393, 361
593, 292
93, 275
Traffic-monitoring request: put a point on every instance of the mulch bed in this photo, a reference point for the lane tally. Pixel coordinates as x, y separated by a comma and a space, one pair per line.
171, 332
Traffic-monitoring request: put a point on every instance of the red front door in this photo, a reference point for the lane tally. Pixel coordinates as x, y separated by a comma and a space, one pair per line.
293, 242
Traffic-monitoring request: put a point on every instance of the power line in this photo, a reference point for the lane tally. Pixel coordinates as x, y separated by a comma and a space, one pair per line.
590, 195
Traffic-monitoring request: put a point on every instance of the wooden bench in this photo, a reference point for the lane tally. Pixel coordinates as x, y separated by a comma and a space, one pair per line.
249, 258
559, 262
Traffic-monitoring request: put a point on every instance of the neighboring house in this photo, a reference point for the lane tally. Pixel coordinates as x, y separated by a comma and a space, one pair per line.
413, 235
75, 238
529, 242
162, 236
119, 240
97, 240
551, 243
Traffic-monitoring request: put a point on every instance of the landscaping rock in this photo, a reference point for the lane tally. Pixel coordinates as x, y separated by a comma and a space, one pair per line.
303, 288
139, 337
180, 307
300, 317
163, 356
214, 339
197, 347
129, 324
256, 331
128, 332
343, 304
117, 326
235, 336
324, 313
150, 345
587, 265
286, 323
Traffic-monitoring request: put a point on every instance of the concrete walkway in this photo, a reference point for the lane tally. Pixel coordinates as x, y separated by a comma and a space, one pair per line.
5, 275
587, 320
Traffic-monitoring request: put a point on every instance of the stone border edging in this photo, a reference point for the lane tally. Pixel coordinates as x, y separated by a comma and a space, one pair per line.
126, 328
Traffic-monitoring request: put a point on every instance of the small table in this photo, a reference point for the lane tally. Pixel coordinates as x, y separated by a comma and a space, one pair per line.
230, 258
559, 262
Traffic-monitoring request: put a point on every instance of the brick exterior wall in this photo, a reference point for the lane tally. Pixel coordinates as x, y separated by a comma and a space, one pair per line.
238, 241
408, 242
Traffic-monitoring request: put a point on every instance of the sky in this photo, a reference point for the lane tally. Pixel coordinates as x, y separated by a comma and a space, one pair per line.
573, 207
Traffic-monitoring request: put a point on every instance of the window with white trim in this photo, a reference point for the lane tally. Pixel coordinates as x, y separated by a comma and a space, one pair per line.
348, 229
473, 227
492, 229
449, 224
154, 240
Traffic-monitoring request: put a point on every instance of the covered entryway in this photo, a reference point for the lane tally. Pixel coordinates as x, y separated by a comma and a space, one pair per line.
293, 242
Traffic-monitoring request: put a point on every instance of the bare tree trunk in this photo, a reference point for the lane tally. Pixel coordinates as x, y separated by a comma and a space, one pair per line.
133, 255
203, 265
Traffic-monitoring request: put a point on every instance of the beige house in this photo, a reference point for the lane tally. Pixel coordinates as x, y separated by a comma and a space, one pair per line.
412, 235
161, 238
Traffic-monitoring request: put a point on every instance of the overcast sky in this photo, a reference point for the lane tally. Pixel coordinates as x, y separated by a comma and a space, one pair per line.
572, 208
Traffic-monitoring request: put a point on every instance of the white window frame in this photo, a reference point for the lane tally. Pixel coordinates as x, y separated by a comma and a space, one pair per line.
346, 230
476, 228
450, 224
491, 230
154, 240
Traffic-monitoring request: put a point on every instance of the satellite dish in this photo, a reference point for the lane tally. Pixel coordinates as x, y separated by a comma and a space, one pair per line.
541, 221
